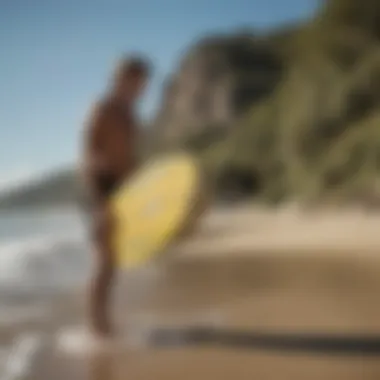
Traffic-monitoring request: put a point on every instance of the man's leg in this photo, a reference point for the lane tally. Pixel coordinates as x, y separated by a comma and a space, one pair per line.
103, 276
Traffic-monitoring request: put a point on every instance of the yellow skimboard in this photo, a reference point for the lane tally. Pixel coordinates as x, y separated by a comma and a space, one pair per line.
154, 208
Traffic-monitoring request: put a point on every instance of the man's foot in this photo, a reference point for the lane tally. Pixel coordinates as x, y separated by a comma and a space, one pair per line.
82, 341
102, 342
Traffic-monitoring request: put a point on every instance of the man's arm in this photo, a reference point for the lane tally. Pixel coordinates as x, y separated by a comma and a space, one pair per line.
98, 159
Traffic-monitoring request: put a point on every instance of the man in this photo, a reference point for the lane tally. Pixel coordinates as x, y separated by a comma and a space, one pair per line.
109, 154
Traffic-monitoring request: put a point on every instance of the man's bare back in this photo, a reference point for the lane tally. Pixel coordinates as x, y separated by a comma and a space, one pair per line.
108, 160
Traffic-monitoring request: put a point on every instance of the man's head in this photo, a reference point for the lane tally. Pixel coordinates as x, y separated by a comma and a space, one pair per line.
130, 77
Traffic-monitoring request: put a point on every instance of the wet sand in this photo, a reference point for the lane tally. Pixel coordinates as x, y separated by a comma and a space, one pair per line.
294, 292
211, 364
247, 303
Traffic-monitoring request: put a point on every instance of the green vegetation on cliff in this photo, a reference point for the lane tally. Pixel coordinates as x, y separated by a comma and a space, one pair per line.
317, 134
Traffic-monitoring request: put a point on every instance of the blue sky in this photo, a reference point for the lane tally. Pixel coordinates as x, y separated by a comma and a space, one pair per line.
56, 56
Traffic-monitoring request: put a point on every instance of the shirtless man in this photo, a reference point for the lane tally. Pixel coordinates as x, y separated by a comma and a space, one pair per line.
109, 155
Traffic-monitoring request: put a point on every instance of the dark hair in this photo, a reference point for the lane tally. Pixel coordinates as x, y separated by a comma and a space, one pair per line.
132, 65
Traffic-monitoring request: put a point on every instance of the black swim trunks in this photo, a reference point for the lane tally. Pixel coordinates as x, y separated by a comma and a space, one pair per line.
106, 185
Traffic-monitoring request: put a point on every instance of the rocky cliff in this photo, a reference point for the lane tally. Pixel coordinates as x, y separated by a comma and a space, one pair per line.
215, 83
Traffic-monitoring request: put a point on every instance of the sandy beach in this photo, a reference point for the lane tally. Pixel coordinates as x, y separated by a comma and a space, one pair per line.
254, 270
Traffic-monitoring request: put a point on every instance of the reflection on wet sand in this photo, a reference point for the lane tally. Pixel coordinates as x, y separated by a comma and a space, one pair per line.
293, 316
102, 366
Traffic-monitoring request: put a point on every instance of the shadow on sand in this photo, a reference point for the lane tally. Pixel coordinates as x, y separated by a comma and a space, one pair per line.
252, 340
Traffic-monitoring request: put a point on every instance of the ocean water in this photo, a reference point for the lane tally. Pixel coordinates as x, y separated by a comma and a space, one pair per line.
45, 261
43, 256
41, 253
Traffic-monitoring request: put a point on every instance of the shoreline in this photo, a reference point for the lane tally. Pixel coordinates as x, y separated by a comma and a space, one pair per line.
258, 269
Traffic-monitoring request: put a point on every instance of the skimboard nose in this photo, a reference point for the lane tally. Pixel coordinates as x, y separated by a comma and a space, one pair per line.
154, 206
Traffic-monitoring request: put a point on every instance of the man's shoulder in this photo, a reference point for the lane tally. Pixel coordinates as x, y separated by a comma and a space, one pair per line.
103, 106
100, 112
